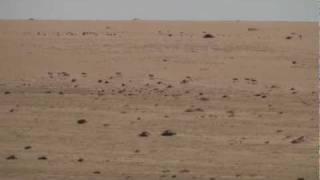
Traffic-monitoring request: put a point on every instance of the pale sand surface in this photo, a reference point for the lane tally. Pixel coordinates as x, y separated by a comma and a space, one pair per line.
243, 105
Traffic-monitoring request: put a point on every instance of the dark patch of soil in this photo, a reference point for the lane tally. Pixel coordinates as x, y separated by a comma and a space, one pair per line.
11, 157
82, 121
252, 29
7, 92
168, 133
289, 37
298, 140
27, 147
42, 158
208, 36
144, 134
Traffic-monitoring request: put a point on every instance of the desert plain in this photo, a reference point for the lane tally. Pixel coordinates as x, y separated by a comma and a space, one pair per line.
158, 100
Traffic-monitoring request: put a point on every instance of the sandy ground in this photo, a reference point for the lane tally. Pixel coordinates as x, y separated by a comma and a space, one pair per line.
150, 100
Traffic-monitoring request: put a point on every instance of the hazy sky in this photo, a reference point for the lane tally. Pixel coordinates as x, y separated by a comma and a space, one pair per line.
286, 10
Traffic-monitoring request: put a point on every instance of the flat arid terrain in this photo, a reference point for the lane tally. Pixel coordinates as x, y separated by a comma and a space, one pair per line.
157, 100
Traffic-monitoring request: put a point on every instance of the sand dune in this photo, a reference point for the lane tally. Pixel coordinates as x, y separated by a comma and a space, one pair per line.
147, 100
